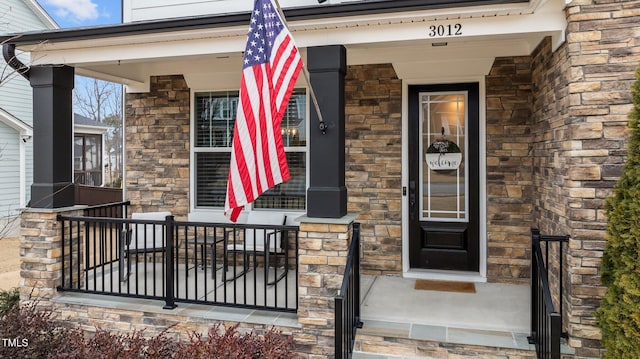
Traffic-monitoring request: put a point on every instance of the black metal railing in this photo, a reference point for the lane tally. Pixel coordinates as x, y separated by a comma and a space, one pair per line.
111, 210
250, 266
546, 321
347, 302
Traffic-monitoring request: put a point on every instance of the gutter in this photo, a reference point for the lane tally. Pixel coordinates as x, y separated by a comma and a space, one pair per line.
9, 54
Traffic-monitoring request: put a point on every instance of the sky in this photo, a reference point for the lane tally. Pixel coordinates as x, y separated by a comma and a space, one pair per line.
77, 13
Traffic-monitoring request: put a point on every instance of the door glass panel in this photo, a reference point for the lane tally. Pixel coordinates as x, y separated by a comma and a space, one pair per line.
442, 149
93, 149
78, 153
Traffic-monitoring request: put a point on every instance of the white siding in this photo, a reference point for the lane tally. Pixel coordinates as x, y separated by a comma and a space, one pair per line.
16, 98
15, 94
137, 10
16, 16
28, 170
9, 171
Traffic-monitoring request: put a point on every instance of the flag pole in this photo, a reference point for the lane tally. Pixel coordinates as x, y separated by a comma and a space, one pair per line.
312, 94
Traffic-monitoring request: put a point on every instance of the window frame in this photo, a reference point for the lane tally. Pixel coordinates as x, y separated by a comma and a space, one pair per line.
83, 158
193, 150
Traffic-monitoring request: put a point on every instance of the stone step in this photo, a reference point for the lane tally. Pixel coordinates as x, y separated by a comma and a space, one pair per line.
380, 339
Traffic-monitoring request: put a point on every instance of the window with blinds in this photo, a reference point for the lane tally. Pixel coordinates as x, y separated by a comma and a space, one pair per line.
215, 114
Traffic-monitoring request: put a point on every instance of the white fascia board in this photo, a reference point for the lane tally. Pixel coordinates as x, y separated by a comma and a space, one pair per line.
20, 126
131, 52
548, 18
92, 130
513, 26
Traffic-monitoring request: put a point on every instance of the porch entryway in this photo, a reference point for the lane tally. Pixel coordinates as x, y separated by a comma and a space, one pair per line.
493, 306
393, 311
402, 318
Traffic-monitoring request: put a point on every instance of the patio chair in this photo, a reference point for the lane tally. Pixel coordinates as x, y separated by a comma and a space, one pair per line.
141, 239
266, 243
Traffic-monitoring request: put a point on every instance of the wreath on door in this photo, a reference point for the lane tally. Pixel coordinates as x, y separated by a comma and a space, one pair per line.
443, 155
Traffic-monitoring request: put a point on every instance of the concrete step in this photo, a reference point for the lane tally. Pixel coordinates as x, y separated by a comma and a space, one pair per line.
380, 339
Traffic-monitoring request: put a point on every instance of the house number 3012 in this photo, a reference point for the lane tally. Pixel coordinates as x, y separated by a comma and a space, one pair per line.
445, 30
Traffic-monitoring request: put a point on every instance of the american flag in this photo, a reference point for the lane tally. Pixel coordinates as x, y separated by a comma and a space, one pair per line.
271, 65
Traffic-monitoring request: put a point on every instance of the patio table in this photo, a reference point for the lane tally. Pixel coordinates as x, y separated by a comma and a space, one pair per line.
203, 242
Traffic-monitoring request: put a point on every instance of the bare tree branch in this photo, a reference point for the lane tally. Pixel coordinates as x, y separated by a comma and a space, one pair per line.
102, 101
97, 99
7, 223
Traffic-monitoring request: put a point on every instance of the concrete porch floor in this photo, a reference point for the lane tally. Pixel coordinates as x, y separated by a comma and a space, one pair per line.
494, 306
497, 315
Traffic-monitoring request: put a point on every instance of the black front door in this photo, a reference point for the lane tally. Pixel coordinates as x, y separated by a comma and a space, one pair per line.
444, 177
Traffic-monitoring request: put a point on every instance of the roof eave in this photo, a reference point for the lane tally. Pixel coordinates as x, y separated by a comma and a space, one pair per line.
20, 126
41, 13
88, 129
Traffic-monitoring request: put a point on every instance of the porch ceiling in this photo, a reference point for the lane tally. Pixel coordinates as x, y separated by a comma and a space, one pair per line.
211, 58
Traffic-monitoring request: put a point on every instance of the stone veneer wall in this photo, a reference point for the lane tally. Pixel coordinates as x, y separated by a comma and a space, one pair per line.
374, 163
550, 79
551, 139
157, 146
41, 253
323, 250
509, 170
151, 320
580, 115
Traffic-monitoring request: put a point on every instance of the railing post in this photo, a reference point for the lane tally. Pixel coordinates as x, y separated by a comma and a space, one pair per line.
170, 300
356, 269
556, 333
339, 303
63, 254
561, 250
535, 241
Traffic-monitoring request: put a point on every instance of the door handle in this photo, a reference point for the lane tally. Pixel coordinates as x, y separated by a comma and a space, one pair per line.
412, 199
412, 193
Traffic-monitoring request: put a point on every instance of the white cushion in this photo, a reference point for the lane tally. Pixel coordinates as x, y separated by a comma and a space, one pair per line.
208, 217
266, 217
255, 238
152, 235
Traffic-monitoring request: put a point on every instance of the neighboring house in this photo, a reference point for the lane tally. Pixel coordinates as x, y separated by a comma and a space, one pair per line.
88, 151
16, 112
534, 94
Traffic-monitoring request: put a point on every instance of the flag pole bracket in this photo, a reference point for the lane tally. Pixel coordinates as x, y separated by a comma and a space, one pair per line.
323, 127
